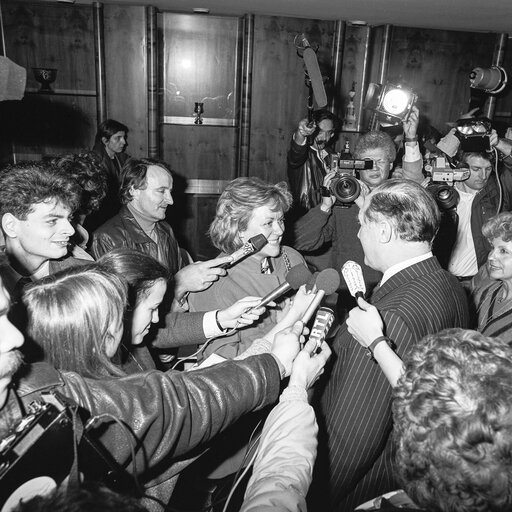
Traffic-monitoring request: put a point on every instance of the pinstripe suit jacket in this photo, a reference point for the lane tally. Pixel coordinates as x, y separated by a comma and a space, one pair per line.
419, 300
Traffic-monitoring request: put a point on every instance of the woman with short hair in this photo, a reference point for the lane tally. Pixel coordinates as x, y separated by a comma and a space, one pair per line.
248, 207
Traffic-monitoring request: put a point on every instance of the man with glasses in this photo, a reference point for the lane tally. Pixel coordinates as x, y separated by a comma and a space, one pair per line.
332, 222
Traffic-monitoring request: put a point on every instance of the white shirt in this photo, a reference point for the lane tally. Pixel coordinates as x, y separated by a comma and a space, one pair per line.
463, 260
391, 271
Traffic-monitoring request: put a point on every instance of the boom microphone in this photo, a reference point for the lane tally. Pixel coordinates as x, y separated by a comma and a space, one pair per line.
314, 74
323, 321
353, 276
254, 244
327, 282
296, 277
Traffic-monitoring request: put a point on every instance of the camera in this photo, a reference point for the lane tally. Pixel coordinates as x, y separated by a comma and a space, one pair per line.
443, 177
345, 187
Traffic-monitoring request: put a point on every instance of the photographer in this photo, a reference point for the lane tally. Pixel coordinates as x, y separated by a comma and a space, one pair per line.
484, 194
308, 158
334, 222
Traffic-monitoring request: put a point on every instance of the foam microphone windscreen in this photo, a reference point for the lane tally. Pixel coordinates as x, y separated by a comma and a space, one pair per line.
328, 280
317, 82
297, 276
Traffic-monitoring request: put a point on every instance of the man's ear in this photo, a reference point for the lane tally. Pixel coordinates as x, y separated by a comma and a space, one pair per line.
134, 192
10, 225
385, 231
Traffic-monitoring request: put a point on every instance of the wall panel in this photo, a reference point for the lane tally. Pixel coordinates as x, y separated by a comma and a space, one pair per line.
279, 99
436, 64
125, 70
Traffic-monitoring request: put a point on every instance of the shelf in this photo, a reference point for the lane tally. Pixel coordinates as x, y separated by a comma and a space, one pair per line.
207, 121
60, 92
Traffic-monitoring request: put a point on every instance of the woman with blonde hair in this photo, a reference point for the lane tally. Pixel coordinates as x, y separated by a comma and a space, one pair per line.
249, 207
76, 317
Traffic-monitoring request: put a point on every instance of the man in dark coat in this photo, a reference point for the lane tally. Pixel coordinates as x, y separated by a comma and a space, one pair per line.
398, 220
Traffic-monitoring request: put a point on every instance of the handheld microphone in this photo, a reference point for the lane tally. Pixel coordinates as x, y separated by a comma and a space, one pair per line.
296, 277
327, 282
254, 244
353, 276
314, 74
323, 321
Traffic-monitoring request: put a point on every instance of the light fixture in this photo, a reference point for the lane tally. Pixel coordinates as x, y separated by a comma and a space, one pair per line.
392, 103
491, 80
474, 134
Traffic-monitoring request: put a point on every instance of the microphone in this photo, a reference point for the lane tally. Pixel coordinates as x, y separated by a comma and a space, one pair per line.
314, 74
327, 282
353, 276
323, 321
254, 244
296, 277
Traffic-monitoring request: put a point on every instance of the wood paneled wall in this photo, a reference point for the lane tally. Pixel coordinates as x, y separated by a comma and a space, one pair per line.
49, 35
126, 72
279, 99
434, 63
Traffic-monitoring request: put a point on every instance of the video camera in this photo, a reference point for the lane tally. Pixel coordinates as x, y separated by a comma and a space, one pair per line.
443, 178
346, 187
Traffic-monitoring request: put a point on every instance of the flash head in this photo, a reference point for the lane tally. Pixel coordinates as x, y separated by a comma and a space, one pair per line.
491, 80
474, 134
391, 103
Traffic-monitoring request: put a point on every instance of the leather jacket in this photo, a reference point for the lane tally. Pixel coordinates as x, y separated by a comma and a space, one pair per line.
123, 230
169, 413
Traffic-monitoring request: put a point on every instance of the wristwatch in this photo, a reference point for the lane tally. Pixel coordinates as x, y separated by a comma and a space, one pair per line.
371, 347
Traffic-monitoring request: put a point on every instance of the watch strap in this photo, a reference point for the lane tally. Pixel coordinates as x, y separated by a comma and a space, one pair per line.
371, 347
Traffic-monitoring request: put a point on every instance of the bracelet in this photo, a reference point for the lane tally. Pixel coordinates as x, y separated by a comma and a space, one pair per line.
411, 139
371, 347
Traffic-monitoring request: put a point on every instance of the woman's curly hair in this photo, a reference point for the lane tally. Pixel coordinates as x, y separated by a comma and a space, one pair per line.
453, 423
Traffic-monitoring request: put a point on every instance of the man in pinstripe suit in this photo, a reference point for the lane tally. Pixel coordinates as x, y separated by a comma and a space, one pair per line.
398, 222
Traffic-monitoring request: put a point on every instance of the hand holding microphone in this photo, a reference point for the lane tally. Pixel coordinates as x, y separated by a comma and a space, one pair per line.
296, 277
254, 244
365, 323
327, 282
353, 276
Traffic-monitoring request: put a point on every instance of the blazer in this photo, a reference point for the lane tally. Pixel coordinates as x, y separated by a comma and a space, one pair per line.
419, 300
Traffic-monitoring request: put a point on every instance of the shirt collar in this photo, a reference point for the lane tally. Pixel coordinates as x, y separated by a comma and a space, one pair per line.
391, 271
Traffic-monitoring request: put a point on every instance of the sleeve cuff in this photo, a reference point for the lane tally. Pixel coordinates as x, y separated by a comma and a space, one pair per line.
282, 369
412, 152
294, 393
210, 326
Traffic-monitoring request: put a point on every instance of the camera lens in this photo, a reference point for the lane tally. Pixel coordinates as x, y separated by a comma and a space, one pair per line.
346, 189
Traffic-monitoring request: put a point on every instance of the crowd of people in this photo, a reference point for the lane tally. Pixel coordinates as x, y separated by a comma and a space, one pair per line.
199, 378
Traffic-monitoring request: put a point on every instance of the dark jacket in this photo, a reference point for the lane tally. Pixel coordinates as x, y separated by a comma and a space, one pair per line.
485, 206
418, 300
302, 160
169, 413
112, 202
124, 231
